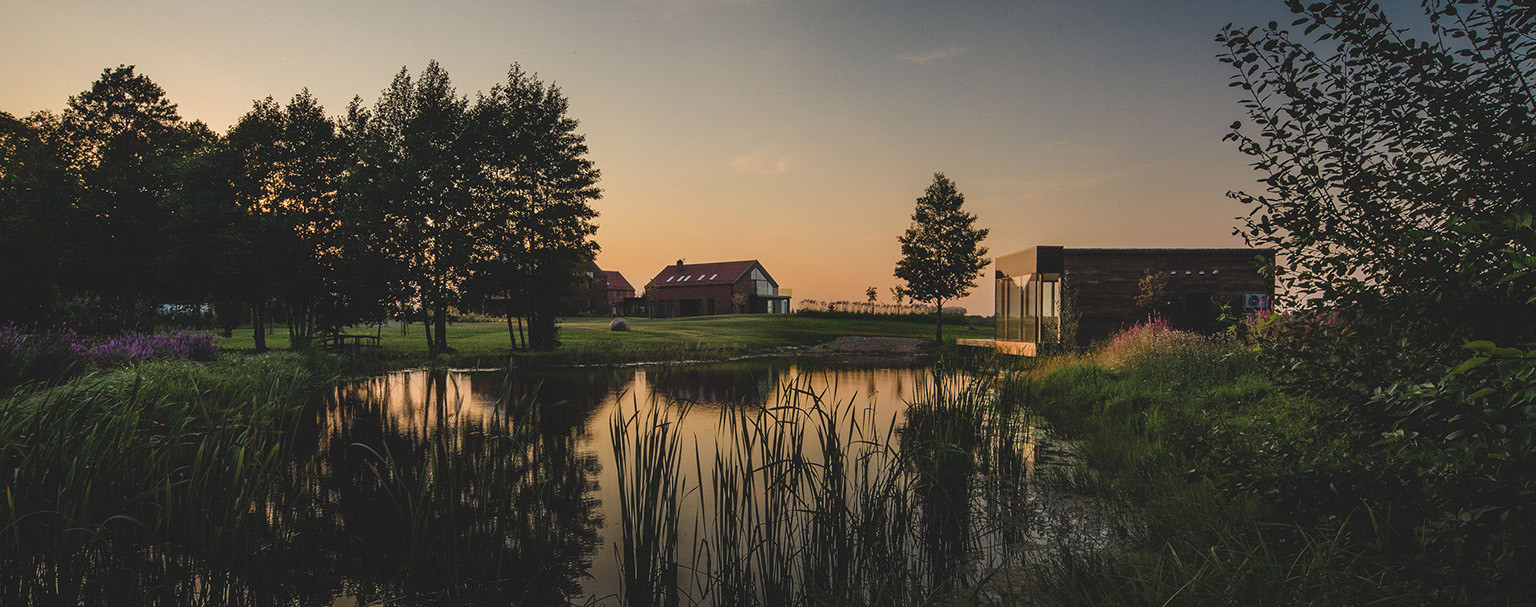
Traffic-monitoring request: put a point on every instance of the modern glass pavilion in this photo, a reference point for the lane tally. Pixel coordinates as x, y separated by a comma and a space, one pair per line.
1049, 296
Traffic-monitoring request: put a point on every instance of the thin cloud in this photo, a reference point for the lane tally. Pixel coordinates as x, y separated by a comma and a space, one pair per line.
935, 54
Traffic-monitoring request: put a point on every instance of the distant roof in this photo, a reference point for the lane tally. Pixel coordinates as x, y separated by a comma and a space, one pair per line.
616, 281
712, 273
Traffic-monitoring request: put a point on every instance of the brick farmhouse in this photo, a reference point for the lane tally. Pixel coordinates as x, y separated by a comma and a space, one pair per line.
703, 289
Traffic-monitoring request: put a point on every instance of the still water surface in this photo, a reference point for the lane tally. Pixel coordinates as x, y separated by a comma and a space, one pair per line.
489, 487
562, 494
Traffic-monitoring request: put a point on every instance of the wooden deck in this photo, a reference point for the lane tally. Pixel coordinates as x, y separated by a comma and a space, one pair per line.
1015, 348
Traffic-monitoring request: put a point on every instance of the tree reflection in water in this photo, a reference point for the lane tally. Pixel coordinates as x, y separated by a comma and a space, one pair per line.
398, 489
438, 488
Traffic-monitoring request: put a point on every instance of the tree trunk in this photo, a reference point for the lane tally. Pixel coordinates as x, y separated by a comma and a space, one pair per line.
426, 327
512, 332
938, 317
127, 315
258, 316
297, 330
520, 336
442, 328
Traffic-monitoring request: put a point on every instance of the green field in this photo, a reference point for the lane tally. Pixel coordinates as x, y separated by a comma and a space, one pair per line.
589, 339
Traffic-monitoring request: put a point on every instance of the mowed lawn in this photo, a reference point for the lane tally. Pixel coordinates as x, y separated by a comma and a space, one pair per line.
744, 332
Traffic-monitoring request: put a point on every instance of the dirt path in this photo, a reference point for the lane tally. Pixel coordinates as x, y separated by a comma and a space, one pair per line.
871, 345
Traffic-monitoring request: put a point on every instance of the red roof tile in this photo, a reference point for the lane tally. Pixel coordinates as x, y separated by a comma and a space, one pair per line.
616, 281
713, 273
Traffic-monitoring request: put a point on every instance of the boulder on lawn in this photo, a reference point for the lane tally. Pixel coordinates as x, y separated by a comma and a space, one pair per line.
618, 324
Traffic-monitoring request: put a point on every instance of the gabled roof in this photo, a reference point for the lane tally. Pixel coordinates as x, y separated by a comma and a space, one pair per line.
616, 281
713, 273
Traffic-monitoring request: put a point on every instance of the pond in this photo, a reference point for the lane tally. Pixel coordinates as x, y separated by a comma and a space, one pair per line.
761, 482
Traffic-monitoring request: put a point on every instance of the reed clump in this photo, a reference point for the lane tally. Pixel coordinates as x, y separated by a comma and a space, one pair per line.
164, 451
811, 501
469, 509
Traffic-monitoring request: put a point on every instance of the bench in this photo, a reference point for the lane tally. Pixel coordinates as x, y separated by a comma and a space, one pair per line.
351, 345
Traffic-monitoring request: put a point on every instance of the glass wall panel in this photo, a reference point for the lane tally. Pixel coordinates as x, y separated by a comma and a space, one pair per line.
1000, 309
1015, 309
1031, 310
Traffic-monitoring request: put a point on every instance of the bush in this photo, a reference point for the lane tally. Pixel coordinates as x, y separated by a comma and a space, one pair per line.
1463, 451
27, 357
1153, 351
32, 356
133, 346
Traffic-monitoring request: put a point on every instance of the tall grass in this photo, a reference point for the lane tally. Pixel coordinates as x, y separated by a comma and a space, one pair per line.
1203, 466
166, 451
470, 510
647, 454
810, 501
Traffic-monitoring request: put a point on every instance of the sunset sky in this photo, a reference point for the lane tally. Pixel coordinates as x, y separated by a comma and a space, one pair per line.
796, 132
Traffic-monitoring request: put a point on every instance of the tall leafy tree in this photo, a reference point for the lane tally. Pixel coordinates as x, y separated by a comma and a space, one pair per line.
38, 218
415, 164
369, 282
1398, 180
123, 140
304, 196
289, 167
253, 145
534, 186
941, 252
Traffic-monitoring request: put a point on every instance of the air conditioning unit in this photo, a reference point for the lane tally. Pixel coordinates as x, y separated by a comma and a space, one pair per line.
1255, 301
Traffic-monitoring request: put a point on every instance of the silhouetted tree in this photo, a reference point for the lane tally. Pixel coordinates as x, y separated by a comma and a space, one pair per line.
941, 251
370, 284
289, 165
533, 188
1399, 178
416, 165
123, 140
37, 218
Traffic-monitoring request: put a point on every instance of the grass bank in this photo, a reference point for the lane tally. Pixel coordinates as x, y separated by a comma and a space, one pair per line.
165, 450
1218, 479
589, 341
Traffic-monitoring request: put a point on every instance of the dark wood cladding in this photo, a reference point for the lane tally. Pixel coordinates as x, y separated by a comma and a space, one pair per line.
1103, 285
1100, 286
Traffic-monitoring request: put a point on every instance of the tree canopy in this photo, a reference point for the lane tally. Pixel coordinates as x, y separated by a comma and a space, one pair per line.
420, 204
941, 252
1398, 179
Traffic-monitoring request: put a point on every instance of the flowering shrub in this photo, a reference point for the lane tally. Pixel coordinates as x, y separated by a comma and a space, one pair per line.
1154, 350
133, 346
1137, 333
28, 356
